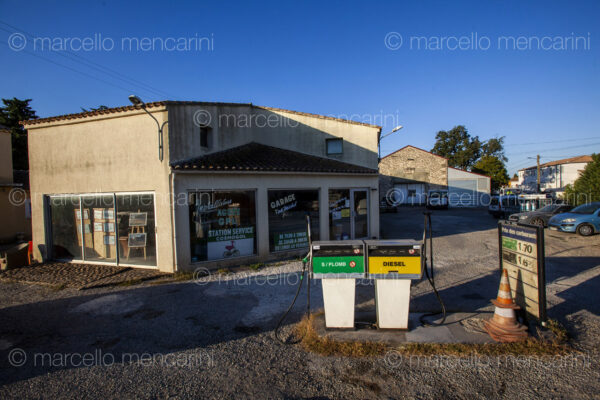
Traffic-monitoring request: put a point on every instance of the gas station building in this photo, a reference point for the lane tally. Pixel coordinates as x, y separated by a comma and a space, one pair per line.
222, 184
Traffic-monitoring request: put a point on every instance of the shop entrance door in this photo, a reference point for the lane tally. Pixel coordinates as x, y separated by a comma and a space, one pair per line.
360, 213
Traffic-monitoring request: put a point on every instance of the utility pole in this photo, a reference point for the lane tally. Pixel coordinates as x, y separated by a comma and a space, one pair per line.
538, 173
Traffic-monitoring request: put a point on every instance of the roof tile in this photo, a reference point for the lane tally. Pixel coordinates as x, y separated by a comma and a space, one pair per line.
259, 157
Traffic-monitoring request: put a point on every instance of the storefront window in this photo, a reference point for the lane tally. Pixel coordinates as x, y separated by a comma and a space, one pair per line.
100, 237
222, 224
340, 227
287, 218
66, 227
135, 225
92, 224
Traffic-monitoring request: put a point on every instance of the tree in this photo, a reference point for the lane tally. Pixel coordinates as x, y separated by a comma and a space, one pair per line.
494, 168
494, 147
587, 187
461, 150
11, 114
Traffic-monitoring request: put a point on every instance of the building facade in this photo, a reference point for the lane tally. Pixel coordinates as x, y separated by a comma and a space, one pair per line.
15, 212
468, 189
406, 175
554, 175
234, 185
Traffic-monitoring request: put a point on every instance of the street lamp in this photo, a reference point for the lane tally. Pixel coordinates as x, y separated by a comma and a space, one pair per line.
136, 101
396, 129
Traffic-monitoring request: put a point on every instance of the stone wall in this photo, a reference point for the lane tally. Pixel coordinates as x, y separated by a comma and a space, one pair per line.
411, 164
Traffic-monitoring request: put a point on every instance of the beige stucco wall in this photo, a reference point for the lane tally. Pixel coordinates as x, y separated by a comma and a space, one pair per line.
118, 152
233, 126
104, 154
261, 183
6, 170
12, 214
413, 164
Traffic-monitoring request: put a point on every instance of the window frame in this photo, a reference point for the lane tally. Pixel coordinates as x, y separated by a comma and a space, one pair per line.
311, 223
332, 140
256, 224
205, 129
82, 260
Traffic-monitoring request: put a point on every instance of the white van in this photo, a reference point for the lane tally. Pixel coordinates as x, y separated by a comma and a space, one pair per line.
437, 198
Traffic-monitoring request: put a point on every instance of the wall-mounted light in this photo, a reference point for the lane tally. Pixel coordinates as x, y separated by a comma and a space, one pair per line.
136, 101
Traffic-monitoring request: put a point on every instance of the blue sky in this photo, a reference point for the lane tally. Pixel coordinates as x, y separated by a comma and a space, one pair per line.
330, 58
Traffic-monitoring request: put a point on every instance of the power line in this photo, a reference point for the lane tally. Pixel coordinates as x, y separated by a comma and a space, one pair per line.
553, 141
555, 148
71, 69
94, 65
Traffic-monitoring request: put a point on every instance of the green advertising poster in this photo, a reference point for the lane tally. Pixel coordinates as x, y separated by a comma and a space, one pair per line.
339, 265
290, 240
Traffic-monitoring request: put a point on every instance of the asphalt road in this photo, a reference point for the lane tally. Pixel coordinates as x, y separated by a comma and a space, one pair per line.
214, 338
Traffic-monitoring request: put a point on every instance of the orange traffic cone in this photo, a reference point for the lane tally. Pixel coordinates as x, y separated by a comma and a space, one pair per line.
503, 327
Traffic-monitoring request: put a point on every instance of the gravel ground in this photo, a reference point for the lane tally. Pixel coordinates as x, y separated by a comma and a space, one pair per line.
213, 338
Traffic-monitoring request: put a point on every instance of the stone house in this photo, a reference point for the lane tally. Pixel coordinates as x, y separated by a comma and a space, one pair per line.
411, 172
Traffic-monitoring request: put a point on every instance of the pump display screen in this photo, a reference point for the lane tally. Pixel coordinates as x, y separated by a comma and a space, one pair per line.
338, 259
395, 260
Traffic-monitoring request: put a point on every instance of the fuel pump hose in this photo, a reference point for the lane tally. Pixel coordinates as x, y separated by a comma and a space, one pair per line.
429, 273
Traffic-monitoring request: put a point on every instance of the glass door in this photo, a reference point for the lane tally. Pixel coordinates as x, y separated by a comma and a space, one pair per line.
360, 213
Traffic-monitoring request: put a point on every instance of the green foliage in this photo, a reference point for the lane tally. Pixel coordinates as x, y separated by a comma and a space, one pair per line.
470, 153
495, 148
461, 150
494, 168
13, 112
587, 187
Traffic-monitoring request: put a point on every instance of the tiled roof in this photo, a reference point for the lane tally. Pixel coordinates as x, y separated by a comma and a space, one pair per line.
572, 160
163, 103
416, 148
258, 157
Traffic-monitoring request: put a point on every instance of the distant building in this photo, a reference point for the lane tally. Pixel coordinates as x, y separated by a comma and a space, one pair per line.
411, 172
408, 174
15, 207
514, 182
468, 189
554, 175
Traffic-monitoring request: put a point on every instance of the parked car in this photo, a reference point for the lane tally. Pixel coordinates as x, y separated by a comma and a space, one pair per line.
503, 206
585, 220
542, 216
437, 199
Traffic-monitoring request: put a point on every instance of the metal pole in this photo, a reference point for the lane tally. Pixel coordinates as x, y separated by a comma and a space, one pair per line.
538, 173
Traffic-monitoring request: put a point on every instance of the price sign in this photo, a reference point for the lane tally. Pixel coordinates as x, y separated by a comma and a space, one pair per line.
522, 255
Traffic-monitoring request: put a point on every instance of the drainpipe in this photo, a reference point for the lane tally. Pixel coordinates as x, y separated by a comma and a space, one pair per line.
174, 221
